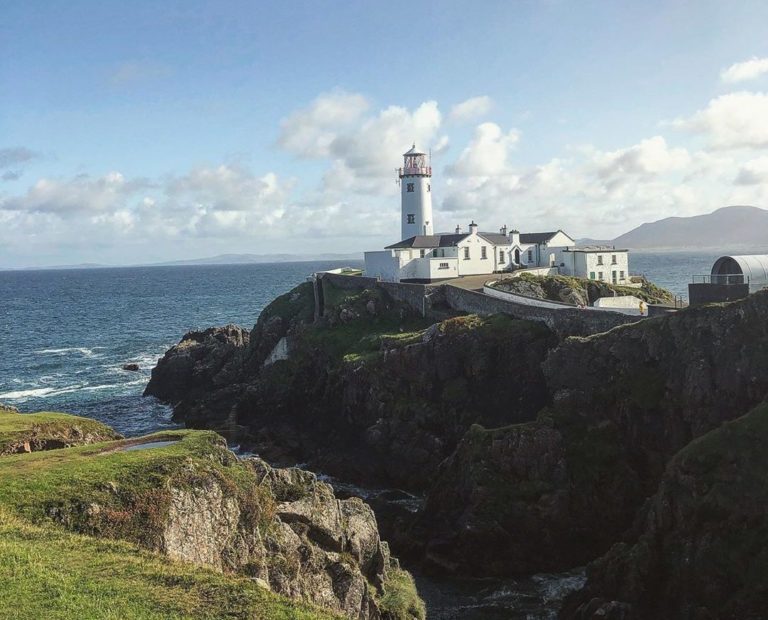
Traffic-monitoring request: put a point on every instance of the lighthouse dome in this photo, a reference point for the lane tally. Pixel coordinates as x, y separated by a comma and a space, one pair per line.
414, 151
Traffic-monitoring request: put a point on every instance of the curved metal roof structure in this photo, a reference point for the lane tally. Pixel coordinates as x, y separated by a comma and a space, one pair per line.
754, 267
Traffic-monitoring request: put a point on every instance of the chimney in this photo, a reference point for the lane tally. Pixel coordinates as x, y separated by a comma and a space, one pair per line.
503, 230
472, 228
515, 237
458, 230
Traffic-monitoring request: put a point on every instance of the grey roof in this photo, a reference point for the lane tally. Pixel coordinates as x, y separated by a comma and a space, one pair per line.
445, 240
495, 238
537, 237
427, 241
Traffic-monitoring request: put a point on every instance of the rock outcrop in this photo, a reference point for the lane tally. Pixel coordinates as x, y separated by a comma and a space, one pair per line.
557, 492
371, 393
194, 501
700, 542
31, 432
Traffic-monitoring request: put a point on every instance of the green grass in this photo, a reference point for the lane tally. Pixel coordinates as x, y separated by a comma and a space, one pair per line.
17, 428
130, 487
46, 572
400, 599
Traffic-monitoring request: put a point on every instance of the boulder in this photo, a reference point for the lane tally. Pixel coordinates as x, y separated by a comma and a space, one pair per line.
132, 367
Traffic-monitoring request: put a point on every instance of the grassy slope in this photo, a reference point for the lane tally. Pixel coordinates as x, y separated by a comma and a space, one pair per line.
47, 572
17, 428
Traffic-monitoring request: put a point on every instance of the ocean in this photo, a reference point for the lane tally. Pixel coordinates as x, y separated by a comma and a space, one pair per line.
65, 335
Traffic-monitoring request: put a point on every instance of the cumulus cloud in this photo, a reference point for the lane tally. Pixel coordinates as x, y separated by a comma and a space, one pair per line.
753, 172
310, 131
488, 152
743, 71
648, 157
471, 109
734, 120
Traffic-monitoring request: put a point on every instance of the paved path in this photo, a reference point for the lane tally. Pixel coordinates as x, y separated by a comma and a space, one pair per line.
474, 283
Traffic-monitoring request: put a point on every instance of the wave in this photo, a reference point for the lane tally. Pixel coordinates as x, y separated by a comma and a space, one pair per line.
47, 392
81, 350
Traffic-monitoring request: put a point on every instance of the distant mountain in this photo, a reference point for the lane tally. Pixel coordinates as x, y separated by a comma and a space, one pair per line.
730, 227
246, 259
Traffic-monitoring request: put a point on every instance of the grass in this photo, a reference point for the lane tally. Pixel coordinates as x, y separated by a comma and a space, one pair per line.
18, 428
47, 572
400, 599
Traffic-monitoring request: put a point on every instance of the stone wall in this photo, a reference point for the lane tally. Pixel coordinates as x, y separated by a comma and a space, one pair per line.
561, 318
563, 321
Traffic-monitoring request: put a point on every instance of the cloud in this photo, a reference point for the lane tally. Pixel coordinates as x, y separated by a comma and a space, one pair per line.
735, 120
471, 109
77, 195
487, 153
753, 172
310, 131
138, 71
16, 155
648, 157
743, 71
11, 175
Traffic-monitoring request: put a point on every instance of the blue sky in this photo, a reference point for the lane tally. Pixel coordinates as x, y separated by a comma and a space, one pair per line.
182, 129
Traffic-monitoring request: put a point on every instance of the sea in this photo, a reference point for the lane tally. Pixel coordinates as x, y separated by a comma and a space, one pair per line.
65, 335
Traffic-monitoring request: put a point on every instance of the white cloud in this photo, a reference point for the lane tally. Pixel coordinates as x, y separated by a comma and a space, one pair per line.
743, 71
471, 109
309, 132
734, 120
650, 156
753, 172
487, 154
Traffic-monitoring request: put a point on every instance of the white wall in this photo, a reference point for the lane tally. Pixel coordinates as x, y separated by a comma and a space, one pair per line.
384, 264
626, 304
475, 264
417, 203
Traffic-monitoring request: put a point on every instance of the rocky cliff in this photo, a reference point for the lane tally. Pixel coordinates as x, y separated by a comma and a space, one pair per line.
186, 496
373, 393
559, 491
699, 547
535, 454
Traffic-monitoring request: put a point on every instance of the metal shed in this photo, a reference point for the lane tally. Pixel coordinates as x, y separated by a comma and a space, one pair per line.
750, 269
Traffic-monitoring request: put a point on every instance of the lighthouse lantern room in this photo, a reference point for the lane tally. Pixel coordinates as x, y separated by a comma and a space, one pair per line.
416, 194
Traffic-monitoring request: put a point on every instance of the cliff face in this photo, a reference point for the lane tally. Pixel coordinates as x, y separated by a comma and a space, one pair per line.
536, 454
192, 500
373, 393
559, 491
700, 549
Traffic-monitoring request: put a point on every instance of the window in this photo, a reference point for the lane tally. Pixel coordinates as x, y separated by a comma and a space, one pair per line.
466, 253
421, 253
411, 218
591, 275
599, 259
443, 265
599, 275
409, 187
530, 256
613, 259
613, 277
501, 257
483, 252
621, 275
429, 187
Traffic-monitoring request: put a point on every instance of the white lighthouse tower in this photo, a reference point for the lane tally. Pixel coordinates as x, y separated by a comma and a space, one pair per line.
416, 194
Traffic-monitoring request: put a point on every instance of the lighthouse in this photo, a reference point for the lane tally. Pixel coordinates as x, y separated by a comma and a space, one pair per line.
416, 194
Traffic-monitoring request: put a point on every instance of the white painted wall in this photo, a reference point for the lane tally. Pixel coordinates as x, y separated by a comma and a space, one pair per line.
383, 264
475, 264
417, 203
626, 304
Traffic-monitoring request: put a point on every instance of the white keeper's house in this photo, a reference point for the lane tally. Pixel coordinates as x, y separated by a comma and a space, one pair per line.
423, 256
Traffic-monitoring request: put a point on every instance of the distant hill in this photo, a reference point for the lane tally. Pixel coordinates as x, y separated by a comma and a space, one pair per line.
730, 227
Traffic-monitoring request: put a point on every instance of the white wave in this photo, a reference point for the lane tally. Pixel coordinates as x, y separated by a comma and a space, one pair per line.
37, 392
81, 350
